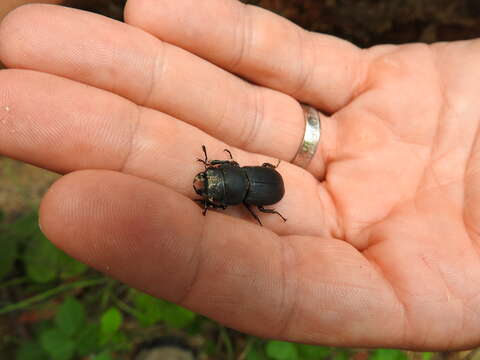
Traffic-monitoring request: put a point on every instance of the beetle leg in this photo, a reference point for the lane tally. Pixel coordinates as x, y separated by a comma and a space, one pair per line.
205, 205
268, 165
203, 162
209, 205
270, 211
217, 162
215, 206
205, 152
229, 153
253, 214
223, 162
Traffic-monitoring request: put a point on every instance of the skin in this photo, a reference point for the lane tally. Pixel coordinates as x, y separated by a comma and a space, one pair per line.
381, 244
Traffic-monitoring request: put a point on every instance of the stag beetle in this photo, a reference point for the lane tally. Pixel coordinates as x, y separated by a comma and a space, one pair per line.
225, 183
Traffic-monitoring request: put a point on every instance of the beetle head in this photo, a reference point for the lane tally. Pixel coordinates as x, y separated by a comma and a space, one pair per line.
200, 184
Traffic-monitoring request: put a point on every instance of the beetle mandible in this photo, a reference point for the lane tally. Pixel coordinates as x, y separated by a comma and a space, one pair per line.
225, 183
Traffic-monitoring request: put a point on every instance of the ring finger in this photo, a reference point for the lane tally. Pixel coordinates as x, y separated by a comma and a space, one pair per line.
66, 126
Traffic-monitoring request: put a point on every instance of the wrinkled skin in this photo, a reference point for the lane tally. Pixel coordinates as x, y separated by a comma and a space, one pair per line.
381, 243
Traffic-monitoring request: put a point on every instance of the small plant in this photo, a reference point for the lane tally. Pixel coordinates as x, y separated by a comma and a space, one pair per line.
71, 336
150, 311
280, 350
42, 261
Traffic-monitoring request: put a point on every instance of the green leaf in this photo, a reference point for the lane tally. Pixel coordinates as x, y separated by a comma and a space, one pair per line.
388, 354
88, 340
41, 326
70, 317
427, 355
310, 352
69, 267
119, 341
255, 354
31, 351
280, 350
177, 316
8, 254
24, 228
57, 344
152, 310
342, 354
2, 216
41, 259
103, 356
149, 309
110, 323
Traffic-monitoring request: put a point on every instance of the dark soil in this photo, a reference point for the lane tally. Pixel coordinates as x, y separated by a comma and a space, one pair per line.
364, 22
371, 22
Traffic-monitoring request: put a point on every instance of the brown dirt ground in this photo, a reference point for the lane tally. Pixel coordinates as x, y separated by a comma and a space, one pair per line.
21, 186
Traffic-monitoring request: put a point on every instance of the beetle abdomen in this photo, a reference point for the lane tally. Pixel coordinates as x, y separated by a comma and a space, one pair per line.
236, 184
266, 185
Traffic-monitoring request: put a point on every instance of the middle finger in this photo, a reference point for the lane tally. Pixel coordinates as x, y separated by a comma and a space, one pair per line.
131, 63
65, 126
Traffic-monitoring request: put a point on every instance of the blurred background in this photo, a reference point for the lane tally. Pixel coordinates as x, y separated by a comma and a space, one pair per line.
53, 307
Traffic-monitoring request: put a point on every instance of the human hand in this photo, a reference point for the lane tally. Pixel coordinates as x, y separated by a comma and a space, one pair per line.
381, 243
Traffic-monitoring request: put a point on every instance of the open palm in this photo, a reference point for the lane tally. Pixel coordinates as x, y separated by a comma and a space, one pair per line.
381, 243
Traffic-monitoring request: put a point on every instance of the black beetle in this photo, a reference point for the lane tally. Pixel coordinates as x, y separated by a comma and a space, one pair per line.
225, 183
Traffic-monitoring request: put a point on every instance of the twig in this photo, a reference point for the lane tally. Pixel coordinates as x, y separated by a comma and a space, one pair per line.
16, 281
248, 347
106, 293
49, 293
127, 308
228, 343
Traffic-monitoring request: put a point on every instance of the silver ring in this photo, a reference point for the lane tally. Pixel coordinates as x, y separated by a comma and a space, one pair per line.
311, 138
